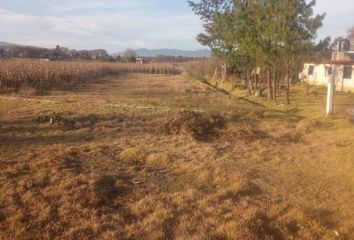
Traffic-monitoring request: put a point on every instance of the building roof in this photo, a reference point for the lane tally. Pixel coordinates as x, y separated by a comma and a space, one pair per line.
339, 58
338, 62
344, 62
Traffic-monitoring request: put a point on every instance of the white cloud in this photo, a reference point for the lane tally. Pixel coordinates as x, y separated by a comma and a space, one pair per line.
339, 17
118, 24
114, 31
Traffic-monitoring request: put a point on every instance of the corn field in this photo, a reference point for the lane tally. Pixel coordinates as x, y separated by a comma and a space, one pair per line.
43, 75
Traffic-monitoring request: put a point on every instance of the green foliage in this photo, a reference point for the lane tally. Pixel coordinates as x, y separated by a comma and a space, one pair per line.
207, 10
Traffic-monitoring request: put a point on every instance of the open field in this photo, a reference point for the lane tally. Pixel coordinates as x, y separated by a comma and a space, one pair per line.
105, 169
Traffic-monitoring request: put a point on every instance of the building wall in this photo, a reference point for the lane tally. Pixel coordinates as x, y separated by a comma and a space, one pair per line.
321, 78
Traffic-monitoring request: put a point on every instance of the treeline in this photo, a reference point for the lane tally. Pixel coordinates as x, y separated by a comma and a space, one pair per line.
58, 53
265, 42
65, 54
174, 59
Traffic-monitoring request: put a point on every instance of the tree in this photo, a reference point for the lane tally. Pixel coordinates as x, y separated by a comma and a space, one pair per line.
129, 55
208, 11
84, 54
296, 31
2, 53
272, 34
351, 35
59, 53
99, 54
73, 54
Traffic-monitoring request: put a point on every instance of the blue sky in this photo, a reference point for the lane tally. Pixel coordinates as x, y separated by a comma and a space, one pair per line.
118, 24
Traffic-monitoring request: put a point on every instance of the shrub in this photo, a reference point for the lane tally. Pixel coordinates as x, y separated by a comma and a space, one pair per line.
52, 118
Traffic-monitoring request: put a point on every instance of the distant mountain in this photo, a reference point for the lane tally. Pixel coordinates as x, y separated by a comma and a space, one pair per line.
143, 52
7, 44
12, 45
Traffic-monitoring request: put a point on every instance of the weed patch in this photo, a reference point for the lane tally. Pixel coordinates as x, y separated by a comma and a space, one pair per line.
50, 118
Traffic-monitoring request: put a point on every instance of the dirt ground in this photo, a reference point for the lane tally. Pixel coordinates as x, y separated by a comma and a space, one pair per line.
90, 163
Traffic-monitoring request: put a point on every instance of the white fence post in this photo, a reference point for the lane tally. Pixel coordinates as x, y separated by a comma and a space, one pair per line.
330, 94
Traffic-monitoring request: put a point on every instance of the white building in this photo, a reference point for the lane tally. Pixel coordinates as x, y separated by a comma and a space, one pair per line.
340, 69
140, 60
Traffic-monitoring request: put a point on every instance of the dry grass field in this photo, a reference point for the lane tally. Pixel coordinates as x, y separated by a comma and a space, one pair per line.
140, 156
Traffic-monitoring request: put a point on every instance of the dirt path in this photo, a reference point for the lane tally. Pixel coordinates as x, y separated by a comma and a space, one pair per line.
103, 171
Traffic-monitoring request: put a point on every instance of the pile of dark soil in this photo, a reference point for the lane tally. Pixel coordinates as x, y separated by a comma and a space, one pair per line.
200, 126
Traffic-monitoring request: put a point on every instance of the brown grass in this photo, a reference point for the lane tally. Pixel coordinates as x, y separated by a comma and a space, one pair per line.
102, 171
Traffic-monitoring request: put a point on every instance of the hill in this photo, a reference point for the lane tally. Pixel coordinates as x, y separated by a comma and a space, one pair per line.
7, 44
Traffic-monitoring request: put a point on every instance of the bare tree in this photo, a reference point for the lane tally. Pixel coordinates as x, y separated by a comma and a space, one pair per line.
129, 55
351, 36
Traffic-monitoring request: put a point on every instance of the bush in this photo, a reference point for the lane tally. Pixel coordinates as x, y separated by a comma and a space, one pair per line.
52, 118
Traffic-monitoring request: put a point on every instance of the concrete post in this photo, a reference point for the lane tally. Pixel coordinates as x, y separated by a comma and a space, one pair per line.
330, 95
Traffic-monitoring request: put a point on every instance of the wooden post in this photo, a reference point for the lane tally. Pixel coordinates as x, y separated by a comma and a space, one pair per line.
330, 95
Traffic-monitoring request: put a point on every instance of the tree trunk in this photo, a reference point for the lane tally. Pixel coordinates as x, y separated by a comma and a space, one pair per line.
256, 80
269, 86
287, 84
216, 75
224, 72
249, 81
274, 84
